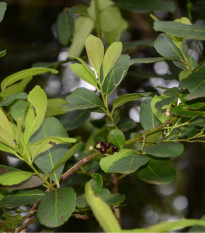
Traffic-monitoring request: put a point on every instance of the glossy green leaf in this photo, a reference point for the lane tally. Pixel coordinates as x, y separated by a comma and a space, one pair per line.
195, 83
54, 107
147, 118
56, 207
6, 135
146, 5
83, 73
19, 109
157, 171
47, 143
3, 6
11, 79
166, 149
96, 182
65, 25
83, 27
95, 52
67, 156
2, 53
22, 198
46, 161
36, 113
123, 99
117, 138
116, 75
14, 177
101, 210
126, 161
182, 110
10, 99
112, 54
83, 98
195, 32
146, 60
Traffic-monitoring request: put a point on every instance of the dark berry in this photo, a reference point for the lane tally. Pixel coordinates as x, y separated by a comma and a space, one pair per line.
107, 145
100, 143
103, 150
114, 148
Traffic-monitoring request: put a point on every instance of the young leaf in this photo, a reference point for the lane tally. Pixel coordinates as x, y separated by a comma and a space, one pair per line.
10, 99
181, 30
157, 171
117, 138
83, 98
7, 149
83, 27
35, 117
56, 207
54, 107
96, 182
2, 53
101, 210
22, 198
166, 149
111, 56
116, 75
123, 99
147, 118
126, 161
95, 52
3, 6
195, 83
83, 73
65, 25
11, 79
47, 143
14, 177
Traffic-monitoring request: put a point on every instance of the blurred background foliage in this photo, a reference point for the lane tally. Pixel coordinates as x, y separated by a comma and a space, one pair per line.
28, 33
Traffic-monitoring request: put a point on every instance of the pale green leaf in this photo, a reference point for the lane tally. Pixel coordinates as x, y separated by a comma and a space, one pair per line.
95, 52
111, 56
101, 210
159, 115
10, 99
54, 107
14, 177
56, 207
11, 79
7, 149
101, 5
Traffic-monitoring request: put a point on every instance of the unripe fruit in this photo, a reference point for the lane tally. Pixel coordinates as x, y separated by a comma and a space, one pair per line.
103, 150
107, 145
114, 149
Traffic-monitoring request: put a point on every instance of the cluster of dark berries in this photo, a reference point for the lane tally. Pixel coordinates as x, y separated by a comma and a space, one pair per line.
103, 147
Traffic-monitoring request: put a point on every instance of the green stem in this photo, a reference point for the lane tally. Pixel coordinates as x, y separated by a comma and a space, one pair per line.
97, 15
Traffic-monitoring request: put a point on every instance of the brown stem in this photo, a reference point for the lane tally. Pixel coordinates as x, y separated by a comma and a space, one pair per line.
24, 226
80, 216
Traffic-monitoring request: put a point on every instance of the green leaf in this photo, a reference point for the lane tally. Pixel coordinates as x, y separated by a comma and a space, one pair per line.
47, 143
195, 83
83, 98
123, 99
6, 135
10, 99
126, 124
116, 75
177, 29
146, 5
83, 27
157, 171
65, 25
146, 60
111, 56
19, 109
3, 6
117, 138
96, 182
22, 198
67, 156
101, 210
24, 74
166, 149
8, 149
95, 52
107, 23
54, 107
36, 112
14, 177
147, 118
160, 115
2, 53
56, 207
83, 73
138, 43
182, 110
47, 160
126, 161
